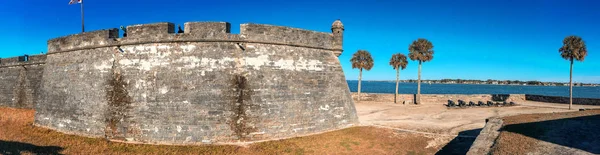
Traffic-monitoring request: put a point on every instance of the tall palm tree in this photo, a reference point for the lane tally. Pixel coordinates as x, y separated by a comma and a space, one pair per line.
398, 61
422, 51
573, 49
362, 60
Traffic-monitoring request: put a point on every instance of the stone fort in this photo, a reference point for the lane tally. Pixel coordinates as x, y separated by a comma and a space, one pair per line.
205, 85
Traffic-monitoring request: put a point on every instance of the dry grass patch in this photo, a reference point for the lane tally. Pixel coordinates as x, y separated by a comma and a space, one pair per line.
18, 135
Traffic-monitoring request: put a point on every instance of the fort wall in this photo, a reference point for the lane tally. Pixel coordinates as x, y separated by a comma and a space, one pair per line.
202, 86
20, 79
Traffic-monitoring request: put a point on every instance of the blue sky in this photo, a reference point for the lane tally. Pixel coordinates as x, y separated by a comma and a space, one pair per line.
512, 39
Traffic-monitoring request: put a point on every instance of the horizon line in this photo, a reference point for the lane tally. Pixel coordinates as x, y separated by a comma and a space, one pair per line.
479, 80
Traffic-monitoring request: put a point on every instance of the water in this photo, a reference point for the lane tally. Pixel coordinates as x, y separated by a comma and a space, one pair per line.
411, 88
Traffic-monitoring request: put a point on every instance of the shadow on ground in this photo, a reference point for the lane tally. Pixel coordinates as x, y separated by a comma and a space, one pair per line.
461, 143
577, 132
16, 148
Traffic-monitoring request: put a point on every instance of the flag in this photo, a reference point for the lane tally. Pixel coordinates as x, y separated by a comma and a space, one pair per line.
74, 1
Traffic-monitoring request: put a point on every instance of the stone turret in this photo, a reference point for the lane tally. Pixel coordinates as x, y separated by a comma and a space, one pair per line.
337, 29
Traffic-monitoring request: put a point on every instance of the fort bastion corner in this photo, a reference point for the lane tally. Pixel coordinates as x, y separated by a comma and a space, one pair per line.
205, 85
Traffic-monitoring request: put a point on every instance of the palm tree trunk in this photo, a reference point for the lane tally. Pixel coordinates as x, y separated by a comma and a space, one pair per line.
359, 79
571, 86
418, 99
397, 79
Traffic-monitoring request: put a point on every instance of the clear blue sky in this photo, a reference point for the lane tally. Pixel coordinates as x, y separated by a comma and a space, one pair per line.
516, 39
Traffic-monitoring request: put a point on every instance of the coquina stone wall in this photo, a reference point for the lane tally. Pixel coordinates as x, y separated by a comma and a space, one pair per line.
20, 79
202, 86
486, 139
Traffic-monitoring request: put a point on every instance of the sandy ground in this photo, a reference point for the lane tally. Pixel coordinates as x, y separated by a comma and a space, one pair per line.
557, 133
417, 129
451, 129
437, 118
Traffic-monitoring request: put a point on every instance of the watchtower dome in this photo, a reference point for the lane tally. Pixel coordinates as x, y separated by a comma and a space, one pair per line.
337, 25
337, 30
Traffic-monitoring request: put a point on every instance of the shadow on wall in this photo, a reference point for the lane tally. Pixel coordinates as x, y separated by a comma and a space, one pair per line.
461, 143
8, 147
577, 132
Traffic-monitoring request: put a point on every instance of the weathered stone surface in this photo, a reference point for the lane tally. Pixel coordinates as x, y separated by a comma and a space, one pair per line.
207, 28
20, 81
150, 30
201, 86
287, 35
487, 137
82, 40
337, 29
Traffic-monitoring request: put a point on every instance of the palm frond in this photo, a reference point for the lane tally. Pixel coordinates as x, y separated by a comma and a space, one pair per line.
421, 50
398, 61
362, 60
573, 48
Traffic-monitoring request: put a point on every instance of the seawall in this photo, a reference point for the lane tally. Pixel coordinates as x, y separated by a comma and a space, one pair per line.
564, 100
439, 98
443, 98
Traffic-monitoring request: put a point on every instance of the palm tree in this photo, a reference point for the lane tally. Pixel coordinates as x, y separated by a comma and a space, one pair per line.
573, 48
398, 61
362, 60
422, 51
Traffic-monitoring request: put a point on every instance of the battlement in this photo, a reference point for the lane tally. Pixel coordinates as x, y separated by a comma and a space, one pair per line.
286, 35
22, 60
150, 30
86, 40
164, 32
207, 28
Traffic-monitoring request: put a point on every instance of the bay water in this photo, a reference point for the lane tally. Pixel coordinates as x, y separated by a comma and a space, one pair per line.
411, 88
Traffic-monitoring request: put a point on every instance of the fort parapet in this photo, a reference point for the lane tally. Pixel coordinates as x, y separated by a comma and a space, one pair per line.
200, 32
205, 85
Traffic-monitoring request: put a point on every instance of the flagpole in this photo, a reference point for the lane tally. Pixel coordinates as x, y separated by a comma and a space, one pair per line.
82, 27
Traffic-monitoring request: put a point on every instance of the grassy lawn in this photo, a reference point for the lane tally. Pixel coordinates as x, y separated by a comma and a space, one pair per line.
18, 135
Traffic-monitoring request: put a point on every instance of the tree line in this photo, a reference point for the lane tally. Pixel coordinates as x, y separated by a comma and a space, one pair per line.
498, 82
421, 51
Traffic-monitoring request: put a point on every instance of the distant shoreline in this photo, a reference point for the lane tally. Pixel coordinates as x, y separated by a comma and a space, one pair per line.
523, 83
480, 94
